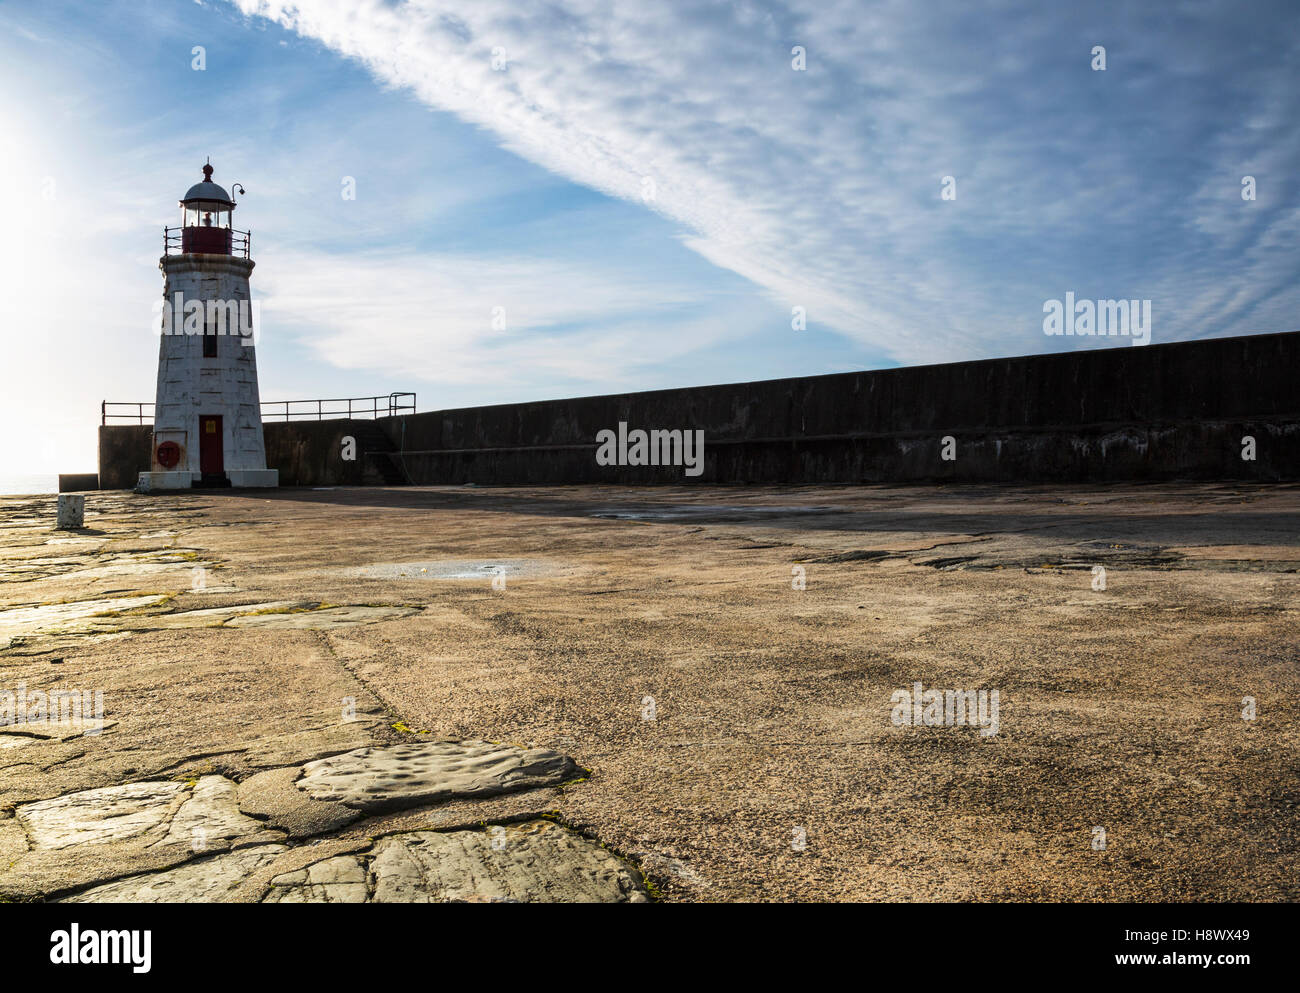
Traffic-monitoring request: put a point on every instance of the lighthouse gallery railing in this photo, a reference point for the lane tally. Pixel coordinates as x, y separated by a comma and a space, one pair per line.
219, 241
392, 405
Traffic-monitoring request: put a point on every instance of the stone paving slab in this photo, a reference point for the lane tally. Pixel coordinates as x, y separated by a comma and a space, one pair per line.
47, 626
378, 779
172, 812
40, 618
194, 819
210, 814
535, 862
201, 881
101, 816
341, 879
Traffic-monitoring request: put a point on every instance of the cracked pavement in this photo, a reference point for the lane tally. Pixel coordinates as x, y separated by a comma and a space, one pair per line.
600, 693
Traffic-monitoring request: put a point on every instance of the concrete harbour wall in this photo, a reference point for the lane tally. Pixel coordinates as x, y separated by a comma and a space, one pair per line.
1124, 413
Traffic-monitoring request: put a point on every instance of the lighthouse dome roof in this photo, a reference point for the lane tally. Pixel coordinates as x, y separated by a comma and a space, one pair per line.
207, 190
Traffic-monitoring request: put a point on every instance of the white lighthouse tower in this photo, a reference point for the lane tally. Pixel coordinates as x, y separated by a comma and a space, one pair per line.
207, 427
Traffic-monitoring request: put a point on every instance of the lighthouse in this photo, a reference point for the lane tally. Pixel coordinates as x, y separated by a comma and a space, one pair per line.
207, 427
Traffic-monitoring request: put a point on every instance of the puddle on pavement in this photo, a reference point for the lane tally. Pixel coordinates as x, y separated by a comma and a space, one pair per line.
455, 569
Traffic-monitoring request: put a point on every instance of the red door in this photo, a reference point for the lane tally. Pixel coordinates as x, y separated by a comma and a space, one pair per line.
212, 460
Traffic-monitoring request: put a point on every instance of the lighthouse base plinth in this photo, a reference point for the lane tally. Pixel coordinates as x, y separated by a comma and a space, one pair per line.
153, 482
157, 482
251, 478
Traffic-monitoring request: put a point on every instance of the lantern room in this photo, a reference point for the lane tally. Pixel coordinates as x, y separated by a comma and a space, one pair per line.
206, 225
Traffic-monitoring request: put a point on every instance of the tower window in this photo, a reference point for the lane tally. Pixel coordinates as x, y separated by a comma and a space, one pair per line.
209, 343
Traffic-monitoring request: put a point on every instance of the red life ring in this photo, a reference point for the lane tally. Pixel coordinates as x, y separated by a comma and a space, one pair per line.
169, 453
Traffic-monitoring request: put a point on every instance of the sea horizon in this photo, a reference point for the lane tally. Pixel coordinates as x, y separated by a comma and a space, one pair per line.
29, 484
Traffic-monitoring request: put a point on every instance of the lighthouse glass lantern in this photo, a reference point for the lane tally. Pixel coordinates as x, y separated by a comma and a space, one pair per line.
207, 427
205, 217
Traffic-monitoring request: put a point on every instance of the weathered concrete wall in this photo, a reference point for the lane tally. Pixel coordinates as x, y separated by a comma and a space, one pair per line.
1154, 412
1160, 411
125, 451
310, 453
76, 482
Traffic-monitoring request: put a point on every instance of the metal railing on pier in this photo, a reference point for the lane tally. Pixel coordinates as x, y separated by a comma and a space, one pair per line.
392, 405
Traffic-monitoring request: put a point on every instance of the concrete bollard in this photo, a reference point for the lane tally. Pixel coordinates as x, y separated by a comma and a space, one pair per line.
72, 511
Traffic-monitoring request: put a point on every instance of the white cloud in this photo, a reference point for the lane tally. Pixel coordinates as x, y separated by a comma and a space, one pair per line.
466, 320
703, 102
822, 186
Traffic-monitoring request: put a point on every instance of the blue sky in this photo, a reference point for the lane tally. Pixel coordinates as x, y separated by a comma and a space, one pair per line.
522, 185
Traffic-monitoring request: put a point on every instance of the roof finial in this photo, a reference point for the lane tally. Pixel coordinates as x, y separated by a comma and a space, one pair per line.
207, 170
